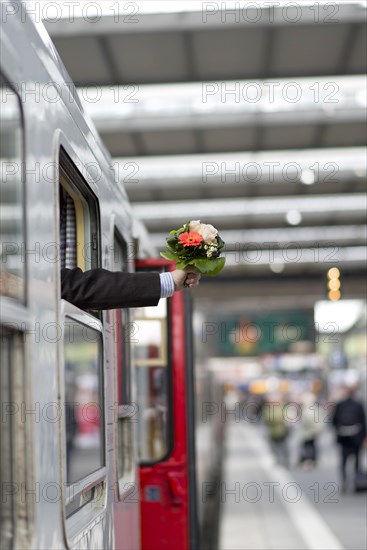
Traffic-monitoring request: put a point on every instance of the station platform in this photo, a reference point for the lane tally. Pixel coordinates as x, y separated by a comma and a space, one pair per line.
265, 506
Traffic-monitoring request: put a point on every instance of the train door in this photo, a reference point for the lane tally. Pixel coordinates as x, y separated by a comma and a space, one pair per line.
82, 376
16, 467
163, 365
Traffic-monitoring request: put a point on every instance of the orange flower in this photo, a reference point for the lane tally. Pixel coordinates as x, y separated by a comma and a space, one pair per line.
190, 239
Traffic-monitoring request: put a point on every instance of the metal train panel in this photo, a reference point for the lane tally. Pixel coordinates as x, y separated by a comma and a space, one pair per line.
51, 119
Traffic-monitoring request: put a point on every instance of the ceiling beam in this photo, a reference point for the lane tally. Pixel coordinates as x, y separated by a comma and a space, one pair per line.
200, 105
271, 291
74, 19
322, 257
309, 209
306, 166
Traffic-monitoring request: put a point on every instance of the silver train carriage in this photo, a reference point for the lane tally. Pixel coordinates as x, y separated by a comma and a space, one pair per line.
56, 494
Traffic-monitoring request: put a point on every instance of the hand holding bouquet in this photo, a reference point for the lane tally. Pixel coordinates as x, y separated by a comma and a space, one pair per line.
196, 244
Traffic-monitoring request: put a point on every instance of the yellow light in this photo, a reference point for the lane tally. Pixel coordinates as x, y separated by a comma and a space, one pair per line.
258, 387
333, 273
334, 284
334, 295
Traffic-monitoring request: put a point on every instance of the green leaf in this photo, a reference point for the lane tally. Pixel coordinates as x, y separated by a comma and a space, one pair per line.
174, 231
169, 256
209, 267
172, 241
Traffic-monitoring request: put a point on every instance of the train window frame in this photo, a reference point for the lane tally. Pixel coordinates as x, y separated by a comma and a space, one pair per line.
144, 462
125, 409
125, 350
87, 495
22, 193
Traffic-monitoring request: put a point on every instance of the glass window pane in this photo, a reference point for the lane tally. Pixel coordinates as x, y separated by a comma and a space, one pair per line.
153, 407
79, 218
83, 401
120, 254
152, 342
124, 447
151, 360
12, 269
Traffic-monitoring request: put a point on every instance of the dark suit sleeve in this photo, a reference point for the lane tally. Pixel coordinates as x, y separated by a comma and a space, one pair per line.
102, 289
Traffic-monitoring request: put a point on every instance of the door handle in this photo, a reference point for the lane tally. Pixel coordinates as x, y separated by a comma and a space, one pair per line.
176, 489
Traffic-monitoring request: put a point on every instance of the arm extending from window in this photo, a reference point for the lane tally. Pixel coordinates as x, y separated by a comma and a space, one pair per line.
103, 289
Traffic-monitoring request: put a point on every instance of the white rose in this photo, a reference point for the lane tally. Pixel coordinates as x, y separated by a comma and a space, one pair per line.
208, 232
195, 225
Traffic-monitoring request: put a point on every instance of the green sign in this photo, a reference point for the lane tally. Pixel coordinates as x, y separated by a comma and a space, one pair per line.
258, 333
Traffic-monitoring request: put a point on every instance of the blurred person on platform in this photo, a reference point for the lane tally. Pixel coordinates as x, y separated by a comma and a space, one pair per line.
310, 427
278, 429
349, 421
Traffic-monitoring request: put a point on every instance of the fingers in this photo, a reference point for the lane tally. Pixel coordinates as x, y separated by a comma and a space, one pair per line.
185, 278
192, 280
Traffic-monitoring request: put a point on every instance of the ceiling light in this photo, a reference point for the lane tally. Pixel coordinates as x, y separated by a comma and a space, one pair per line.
337, 316
308, 177
277, 267
293, 217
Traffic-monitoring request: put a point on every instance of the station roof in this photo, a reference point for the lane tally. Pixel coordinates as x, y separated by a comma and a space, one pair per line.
193, 98
210, 41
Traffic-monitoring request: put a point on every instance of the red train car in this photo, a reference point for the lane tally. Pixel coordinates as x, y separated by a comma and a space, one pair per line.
166, 427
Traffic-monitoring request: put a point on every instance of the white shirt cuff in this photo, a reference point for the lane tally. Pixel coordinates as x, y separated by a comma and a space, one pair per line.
167, 285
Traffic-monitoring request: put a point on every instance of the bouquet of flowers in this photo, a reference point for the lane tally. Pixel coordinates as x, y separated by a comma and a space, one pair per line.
197, 244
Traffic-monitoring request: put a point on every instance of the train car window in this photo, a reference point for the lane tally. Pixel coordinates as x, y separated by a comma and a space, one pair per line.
12, 226
84, 437
14, 510
125, 408
79, 219
153, 381
84, 409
